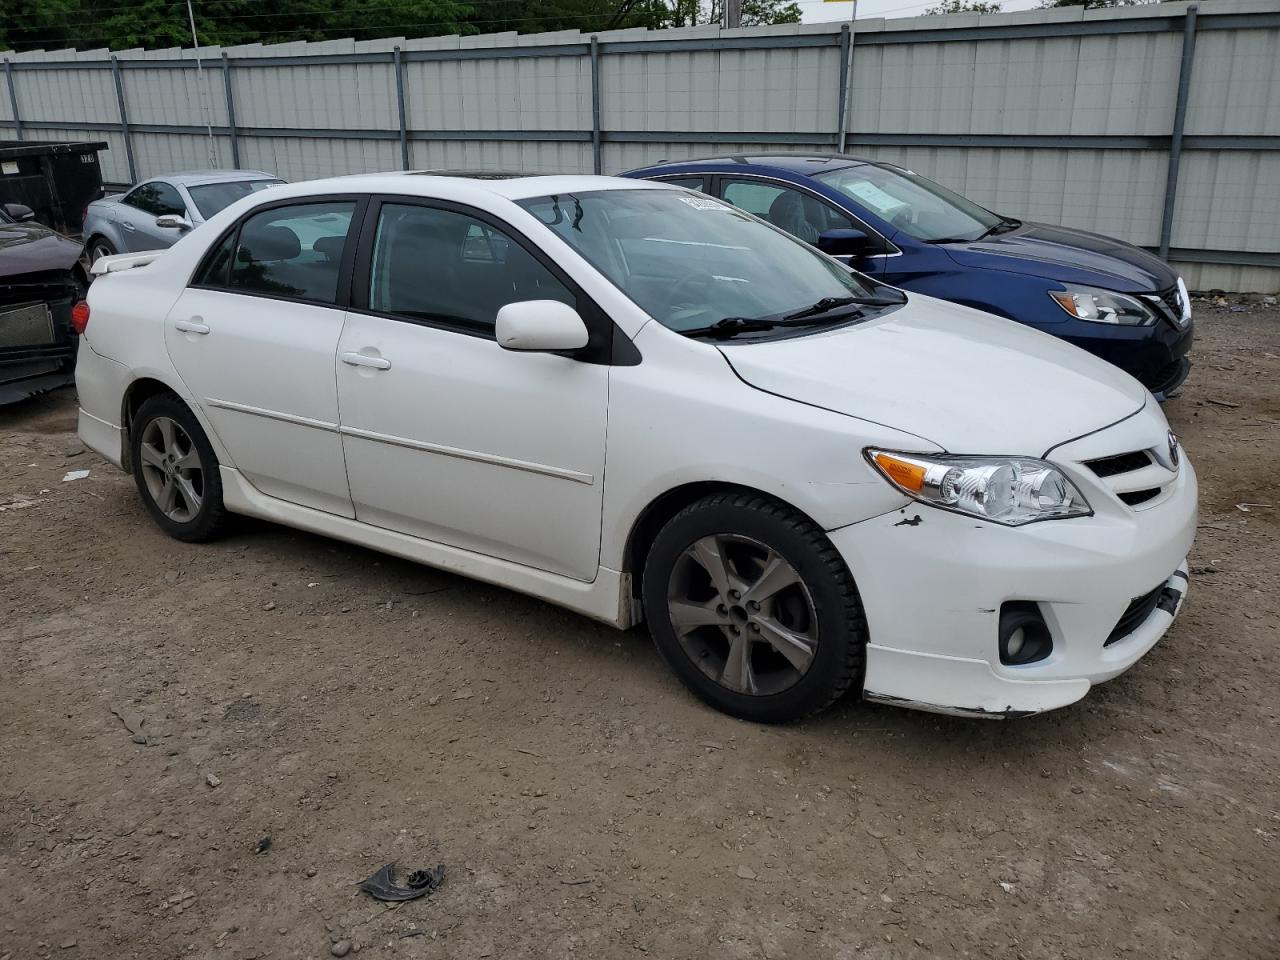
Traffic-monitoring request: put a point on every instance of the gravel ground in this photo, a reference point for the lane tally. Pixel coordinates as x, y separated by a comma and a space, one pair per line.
356, 709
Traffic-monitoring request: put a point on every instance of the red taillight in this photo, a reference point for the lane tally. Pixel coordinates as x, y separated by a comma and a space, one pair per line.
80, 317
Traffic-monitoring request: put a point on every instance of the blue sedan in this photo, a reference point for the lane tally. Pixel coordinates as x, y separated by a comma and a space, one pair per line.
1113, 299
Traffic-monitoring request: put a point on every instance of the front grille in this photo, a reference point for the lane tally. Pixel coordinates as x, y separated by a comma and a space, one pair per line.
1172, 302
1135, 615
1120, 463
1162, 378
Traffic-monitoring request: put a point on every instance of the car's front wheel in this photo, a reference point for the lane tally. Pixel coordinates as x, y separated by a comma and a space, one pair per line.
754, 608
176, 470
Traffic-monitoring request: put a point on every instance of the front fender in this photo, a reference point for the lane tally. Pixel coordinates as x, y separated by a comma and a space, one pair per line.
101, 226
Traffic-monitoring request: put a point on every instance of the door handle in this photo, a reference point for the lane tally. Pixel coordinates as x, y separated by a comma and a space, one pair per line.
128, 226
191, 326
363, 360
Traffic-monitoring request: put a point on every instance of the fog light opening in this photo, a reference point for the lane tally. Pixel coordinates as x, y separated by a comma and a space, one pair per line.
1024, 636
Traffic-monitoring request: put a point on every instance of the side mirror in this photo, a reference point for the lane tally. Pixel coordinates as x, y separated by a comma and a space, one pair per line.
843, 243
540, 325
173, 221
19, 212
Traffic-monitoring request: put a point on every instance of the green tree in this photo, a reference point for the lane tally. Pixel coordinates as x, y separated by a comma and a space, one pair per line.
120, 24
1093, 4
963, 6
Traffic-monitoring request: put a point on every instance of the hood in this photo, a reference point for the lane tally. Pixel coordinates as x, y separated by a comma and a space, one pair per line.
30, 247
1068, 256
964, 380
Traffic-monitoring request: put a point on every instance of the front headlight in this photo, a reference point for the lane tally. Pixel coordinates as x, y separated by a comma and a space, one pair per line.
1007, 490
1103, 306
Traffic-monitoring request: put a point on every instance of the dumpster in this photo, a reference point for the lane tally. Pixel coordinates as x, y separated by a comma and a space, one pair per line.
55, 179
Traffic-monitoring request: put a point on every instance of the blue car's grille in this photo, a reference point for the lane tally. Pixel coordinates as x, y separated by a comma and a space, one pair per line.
1171, 302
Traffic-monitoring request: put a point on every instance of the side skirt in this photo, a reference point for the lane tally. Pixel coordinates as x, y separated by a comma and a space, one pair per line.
607, 598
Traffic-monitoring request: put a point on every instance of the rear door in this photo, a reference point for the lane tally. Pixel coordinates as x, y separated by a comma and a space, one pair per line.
254, 339
448, 436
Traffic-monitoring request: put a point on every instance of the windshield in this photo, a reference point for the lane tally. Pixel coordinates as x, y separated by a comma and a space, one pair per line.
690, 261
210, 198
918, 207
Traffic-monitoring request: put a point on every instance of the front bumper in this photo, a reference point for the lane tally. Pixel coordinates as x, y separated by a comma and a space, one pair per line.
933, 589
1156, 356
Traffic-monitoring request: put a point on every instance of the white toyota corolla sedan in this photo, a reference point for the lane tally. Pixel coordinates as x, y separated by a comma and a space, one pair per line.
644, 404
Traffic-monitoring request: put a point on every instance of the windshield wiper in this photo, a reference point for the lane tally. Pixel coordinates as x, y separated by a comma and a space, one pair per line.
827, 304
731, 327
1004, 226
808, 317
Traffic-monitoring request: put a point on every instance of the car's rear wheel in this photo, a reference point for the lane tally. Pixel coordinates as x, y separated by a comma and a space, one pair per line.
99, 248
176, 470
754, 608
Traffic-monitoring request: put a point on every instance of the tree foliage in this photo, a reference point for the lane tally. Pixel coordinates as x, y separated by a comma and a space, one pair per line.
963, 6
121, 24
1094, 4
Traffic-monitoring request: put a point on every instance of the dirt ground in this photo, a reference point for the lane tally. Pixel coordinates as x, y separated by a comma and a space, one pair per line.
356, 710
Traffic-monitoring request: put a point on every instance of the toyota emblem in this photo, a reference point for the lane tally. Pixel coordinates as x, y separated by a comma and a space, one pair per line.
1174, 456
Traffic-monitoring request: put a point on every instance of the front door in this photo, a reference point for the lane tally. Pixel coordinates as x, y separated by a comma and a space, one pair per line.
802, 214
254, 339
138, 212
447, 435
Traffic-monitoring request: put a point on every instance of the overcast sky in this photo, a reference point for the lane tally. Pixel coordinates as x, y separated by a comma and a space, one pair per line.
816, 11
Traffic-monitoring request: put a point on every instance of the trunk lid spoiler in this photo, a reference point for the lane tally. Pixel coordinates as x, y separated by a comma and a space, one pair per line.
123, 261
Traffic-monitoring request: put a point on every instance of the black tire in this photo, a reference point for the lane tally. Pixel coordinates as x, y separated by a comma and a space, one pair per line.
210, 519
833, 605
99, 247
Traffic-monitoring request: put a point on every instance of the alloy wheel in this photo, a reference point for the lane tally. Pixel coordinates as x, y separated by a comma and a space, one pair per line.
742, 614
171, 469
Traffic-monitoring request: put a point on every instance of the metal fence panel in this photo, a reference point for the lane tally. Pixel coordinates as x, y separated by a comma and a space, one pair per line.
542, 93
1106, 191
1063, 115
310, 158
1229, 201
500, 155
1237, 84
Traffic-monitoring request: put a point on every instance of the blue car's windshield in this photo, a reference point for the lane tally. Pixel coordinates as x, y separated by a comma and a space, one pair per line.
689, 261
915, 205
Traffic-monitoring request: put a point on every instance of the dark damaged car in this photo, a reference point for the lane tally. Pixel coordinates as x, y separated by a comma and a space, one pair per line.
41, 279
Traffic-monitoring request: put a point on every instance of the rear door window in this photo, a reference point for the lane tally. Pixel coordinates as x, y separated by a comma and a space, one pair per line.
294, 251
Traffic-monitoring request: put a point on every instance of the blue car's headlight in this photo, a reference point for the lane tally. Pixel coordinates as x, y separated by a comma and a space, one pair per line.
1103, 306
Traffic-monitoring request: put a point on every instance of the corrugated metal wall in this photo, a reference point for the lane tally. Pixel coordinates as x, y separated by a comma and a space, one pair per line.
1065, 115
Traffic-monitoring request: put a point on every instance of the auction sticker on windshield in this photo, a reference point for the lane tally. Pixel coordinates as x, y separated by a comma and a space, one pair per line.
701, 203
